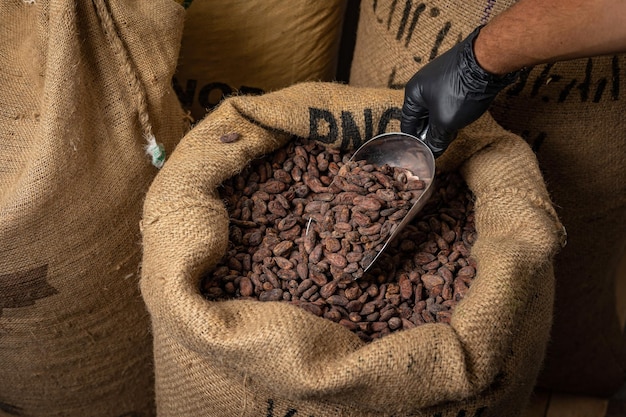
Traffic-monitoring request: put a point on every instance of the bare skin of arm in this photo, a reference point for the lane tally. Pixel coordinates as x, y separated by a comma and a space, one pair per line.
541, 31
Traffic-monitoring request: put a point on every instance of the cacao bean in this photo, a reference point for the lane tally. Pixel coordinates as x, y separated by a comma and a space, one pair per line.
305, 221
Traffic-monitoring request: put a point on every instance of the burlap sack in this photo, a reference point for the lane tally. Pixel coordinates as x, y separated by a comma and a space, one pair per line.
571, 113
394, 39
250, 358
253, 46
81, 83
579, 137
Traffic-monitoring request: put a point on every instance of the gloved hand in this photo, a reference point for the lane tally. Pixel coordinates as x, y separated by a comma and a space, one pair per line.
449, 93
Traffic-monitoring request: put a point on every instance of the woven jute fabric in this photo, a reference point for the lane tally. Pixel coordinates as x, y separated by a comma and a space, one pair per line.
394, 39
571, 113
252, 358
81, 83
254, 46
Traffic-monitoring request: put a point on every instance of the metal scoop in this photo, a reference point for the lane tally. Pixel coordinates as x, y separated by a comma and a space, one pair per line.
404, 151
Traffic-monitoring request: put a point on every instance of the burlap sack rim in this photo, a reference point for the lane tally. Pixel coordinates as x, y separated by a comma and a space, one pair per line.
185, 312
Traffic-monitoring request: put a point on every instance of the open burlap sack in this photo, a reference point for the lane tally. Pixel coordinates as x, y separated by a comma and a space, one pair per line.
250, 358
254, 46
571, 113
85, 87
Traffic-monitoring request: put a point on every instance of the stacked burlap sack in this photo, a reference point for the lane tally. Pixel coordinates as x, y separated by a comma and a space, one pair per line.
572, 115
253, 46
85, 87
249, 358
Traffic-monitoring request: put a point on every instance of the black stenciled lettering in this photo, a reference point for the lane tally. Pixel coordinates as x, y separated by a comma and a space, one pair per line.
350, 131
392, 10
566, 90
404, 19
315, 117
600, 90
554, 78
374, 7
439, 40
270, 410
391, 82
416, 15
545, 78
251, 91
24, 288
185, 96
10, 409
204, 96
387, 116
369, 124
536, 142
615, 77
584, 87
518, 87
541, 80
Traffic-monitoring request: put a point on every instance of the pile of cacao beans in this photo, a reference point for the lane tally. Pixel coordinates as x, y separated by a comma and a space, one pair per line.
306, 223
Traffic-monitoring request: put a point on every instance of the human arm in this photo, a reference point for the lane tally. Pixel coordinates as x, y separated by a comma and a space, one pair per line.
457, 87
533, 32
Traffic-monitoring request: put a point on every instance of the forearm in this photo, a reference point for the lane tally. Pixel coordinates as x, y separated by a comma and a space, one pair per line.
539, 31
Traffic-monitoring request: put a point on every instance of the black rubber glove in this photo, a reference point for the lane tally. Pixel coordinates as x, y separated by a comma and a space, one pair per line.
449, 93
